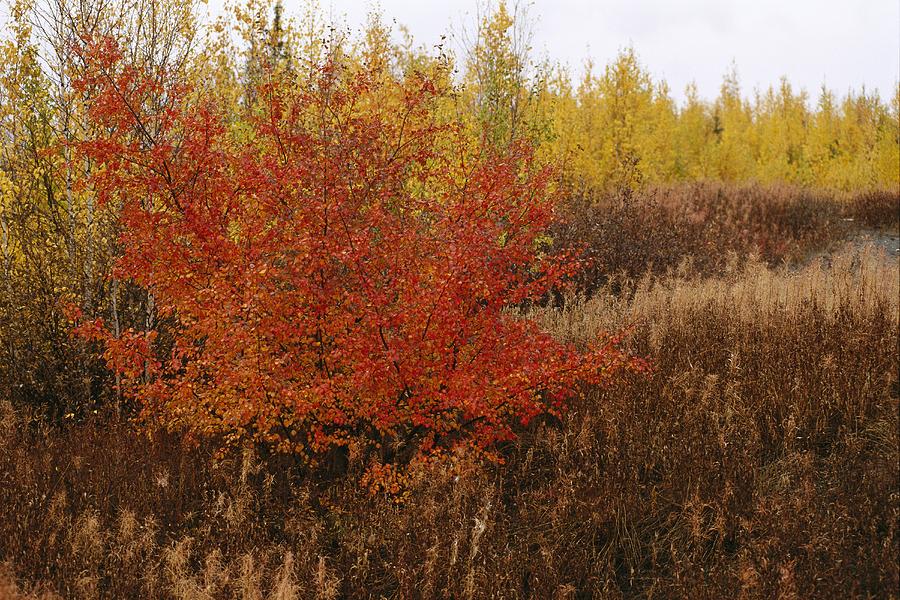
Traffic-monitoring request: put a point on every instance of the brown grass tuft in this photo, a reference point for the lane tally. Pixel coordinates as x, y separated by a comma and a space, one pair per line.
758, 459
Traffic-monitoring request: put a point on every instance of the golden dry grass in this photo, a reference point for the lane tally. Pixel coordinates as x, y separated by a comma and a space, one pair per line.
758, 459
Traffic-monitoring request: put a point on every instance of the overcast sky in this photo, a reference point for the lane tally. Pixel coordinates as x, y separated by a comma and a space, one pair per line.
843, 43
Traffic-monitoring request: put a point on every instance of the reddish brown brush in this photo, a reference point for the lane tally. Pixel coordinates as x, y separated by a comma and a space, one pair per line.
710, 226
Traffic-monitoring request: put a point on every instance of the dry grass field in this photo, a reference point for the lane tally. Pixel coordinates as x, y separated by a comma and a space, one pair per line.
757, 459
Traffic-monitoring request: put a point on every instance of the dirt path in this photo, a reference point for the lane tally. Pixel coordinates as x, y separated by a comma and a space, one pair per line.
871, 242
889, 241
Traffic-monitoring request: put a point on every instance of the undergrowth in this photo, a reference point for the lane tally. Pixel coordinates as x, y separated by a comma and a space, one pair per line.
759, 458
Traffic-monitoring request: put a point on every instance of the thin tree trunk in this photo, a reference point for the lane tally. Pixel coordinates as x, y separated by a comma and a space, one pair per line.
89, 250
7, 276
117, 333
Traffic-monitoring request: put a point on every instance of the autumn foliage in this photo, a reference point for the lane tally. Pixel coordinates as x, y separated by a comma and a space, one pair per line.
341, 273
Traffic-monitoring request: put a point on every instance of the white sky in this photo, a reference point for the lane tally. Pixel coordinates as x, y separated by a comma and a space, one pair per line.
843, 43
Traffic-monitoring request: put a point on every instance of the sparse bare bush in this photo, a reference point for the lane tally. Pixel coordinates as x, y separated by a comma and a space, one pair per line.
709, 227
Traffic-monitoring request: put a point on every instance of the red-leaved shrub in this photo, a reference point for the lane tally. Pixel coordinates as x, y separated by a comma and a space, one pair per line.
340, 275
